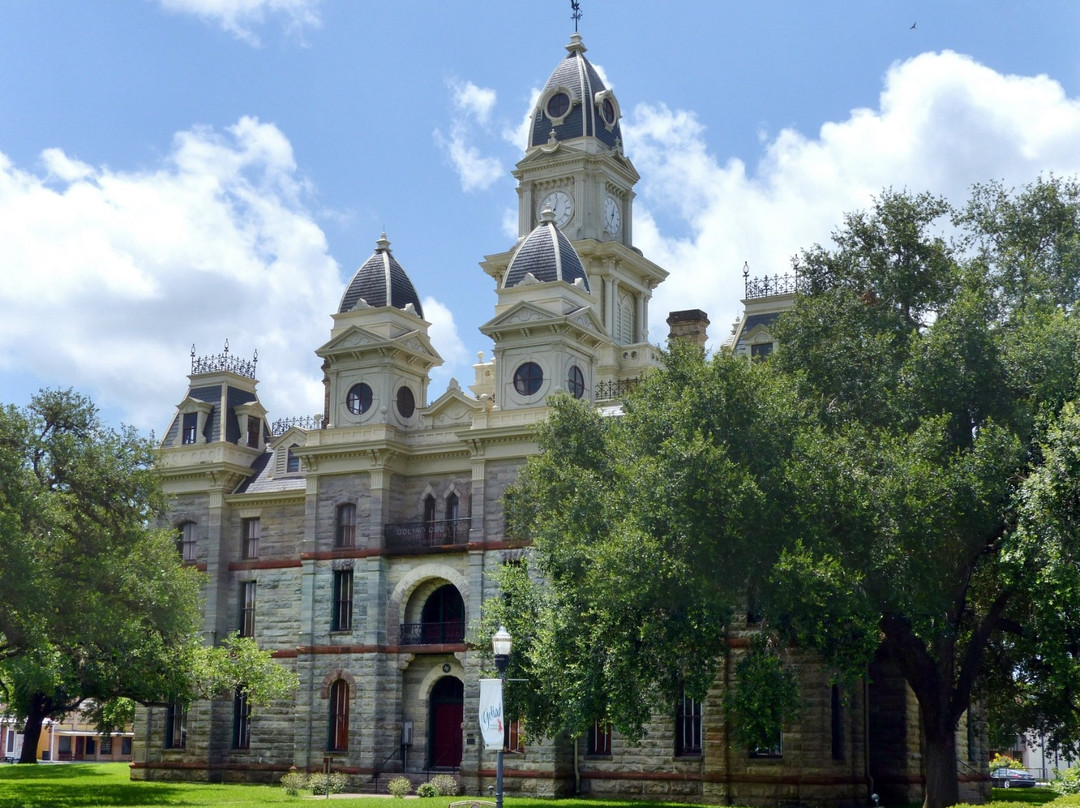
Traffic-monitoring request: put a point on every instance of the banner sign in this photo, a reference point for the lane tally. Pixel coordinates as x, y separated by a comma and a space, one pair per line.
491, 713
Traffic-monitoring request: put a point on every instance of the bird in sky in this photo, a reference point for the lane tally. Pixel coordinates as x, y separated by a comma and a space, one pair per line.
912, 28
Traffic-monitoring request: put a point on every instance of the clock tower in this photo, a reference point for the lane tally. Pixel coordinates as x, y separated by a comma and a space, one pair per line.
575, 167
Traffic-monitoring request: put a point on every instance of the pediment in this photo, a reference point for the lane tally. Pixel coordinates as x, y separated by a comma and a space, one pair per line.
294, 435
357, 340
452, 407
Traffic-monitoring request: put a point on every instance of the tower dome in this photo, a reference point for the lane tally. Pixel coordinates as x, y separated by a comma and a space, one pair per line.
547, 255
380, 281
575, 103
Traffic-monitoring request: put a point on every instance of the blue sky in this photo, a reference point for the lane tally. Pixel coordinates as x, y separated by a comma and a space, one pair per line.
190, 171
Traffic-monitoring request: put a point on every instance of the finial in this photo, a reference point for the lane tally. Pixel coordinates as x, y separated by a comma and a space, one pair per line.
575, 13
226, 346
547, 215
746, 269
383, 244
193, 351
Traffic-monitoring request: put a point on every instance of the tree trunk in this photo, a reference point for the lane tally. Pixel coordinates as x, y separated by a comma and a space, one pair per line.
939, 763
32, 730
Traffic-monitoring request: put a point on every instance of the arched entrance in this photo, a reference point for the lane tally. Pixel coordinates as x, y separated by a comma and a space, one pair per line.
447, 704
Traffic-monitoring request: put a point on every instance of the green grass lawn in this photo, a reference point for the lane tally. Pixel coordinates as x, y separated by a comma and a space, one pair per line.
87, 785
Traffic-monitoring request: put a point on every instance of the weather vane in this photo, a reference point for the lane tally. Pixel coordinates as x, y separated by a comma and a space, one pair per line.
575, 13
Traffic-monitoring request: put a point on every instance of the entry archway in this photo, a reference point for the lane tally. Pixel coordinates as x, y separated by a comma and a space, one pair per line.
447, 711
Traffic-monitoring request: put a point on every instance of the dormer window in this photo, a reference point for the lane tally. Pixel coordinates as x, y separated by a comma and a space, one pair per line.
253, 429
190, 428
193, 417
292, 462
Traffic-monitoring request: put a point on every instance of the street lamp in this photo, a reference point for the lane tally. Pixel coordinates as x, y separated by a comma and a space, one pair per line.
501, 643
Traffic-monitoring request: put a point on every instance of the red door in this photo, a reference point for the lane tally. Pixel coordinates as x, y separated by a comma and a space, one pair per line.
447, 714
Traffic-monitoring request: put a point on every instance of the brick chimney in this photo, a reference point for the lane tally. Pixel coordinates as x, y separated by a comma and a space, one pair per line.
691, 324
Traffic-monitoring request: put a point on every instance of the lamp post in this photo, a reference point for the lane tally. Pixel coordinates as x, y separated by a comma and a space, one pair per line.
500, 644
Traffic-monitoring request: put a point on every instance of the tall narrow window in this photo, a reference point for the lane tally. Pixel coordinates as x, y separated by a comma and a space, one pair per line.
343, 597
599, 738
175, 726
688, 727
292, 462
105, 747
241, 721
346, 525
254, 426
429, 518
185, 541
339, 716
837, 724
251, 538
247, 609
513, 737
190, 425
451, 518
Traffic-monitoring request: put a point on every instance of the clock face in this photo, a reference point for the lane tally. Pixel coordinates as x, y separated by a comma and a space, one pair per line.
612, 216
561, 204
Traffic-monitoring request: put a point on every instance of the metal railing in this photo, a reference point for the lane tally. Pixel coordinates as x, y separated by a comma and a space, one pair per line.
452, 631
613, 390
410, 536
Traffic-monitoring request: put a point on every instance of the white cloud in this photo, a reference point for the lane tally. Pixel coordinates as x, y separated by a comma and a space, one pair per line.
518, 135
444, 336
474, 101
111, 276
943, 122
238, 17
472, 112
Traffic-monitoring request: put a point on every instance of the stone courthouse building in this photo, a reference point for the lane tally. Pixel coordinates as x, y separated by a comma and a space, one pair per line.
357, 545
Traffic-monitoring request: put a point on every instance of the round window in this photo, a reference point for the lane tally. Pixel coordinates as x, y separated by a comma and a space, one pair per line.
575, 382
607, 109
558, 105
359, 399
406, 402
528, 378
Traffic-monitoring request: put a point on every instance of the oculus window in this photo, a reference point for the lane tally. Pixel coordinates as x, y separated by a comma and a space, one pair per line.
528, 378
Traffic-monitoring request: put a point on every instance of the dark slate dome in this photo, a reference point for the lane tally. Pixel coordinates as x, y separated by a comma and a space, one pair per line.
547, 255
575, 103
381, 281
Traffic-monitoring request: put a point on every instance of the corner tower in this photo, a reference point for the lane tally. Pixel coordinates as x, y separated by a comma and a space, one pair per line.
377, 361
574, 165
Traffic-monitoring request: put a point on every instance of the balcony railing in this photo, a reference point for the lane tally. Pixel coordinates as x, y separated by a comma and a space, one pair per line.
433, 633
418, 536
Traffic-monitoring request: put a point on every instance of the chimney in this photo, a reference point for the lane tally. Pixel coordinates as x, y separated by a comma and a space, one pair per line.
691, 325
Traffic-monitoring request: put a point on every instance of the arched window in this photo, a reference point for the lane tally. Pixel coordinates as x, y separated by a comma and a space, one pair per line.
451, 515
443, 616
346, 526
429, 518
339, 717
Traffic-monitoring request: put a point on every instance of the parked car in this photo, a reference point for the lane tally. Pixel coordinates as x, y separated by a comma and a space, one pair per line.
1012, 778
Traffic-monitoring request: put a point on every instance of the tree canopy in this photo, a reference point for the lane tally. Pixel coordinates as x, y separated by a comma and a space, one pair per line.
899, 480
95, 604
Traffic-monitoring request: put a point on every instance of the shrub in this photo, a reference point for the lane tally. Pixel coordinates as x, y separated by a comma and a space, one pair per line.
446, 784
319, 783
1066, 781
293, 782
427, 790
1005, 762
399, 786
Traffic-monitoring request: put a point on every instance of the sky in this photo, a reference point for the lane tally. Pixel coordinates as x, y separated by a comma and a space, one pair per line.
190, 172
